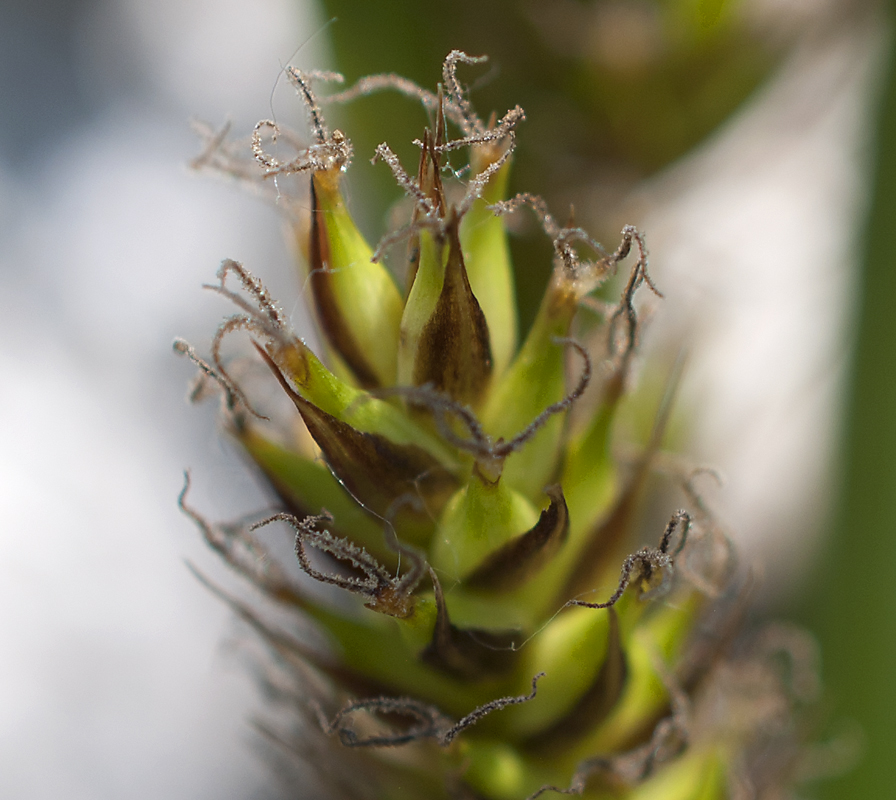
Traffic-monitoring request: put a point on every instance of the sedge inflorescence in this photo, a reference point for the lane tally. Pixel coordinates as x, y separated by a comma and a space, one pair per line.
490, 631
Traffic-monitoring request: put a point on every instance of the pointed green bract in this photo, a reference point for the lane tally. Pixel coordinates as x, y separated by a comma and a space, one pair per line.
483, 236
479, 519
357, 302
518, 560
421, 303
571, 651
589, 471
361, 410
535, 380
701, 775
309, 487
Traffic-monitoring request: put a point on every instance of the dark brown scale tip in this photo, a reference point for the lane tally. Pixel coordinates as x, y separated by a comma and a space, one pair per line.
320, 278
431, 164
454, 350
521, 558
375, 470
596, 703
429, 180
467, 654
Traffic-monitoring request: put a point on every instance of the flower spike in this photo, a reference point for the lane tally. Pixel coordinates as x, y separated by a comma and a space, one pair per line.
423, 439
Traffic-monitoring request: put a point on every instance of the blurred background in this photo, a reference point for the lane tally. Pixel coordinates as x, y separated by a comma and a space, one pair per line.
752, 140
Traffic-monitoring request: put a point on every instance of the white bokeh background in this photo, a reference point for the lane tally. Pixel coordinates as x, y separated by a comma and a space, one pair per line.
115, 677
755, 239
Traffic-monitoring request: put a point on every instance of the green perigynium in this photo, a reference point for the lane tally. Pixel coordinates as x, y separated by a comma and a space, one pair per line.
459, 487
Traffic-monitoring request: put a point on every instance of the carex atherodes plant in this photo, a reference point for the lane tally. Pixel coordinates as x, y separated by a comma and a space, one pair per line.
486, 620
